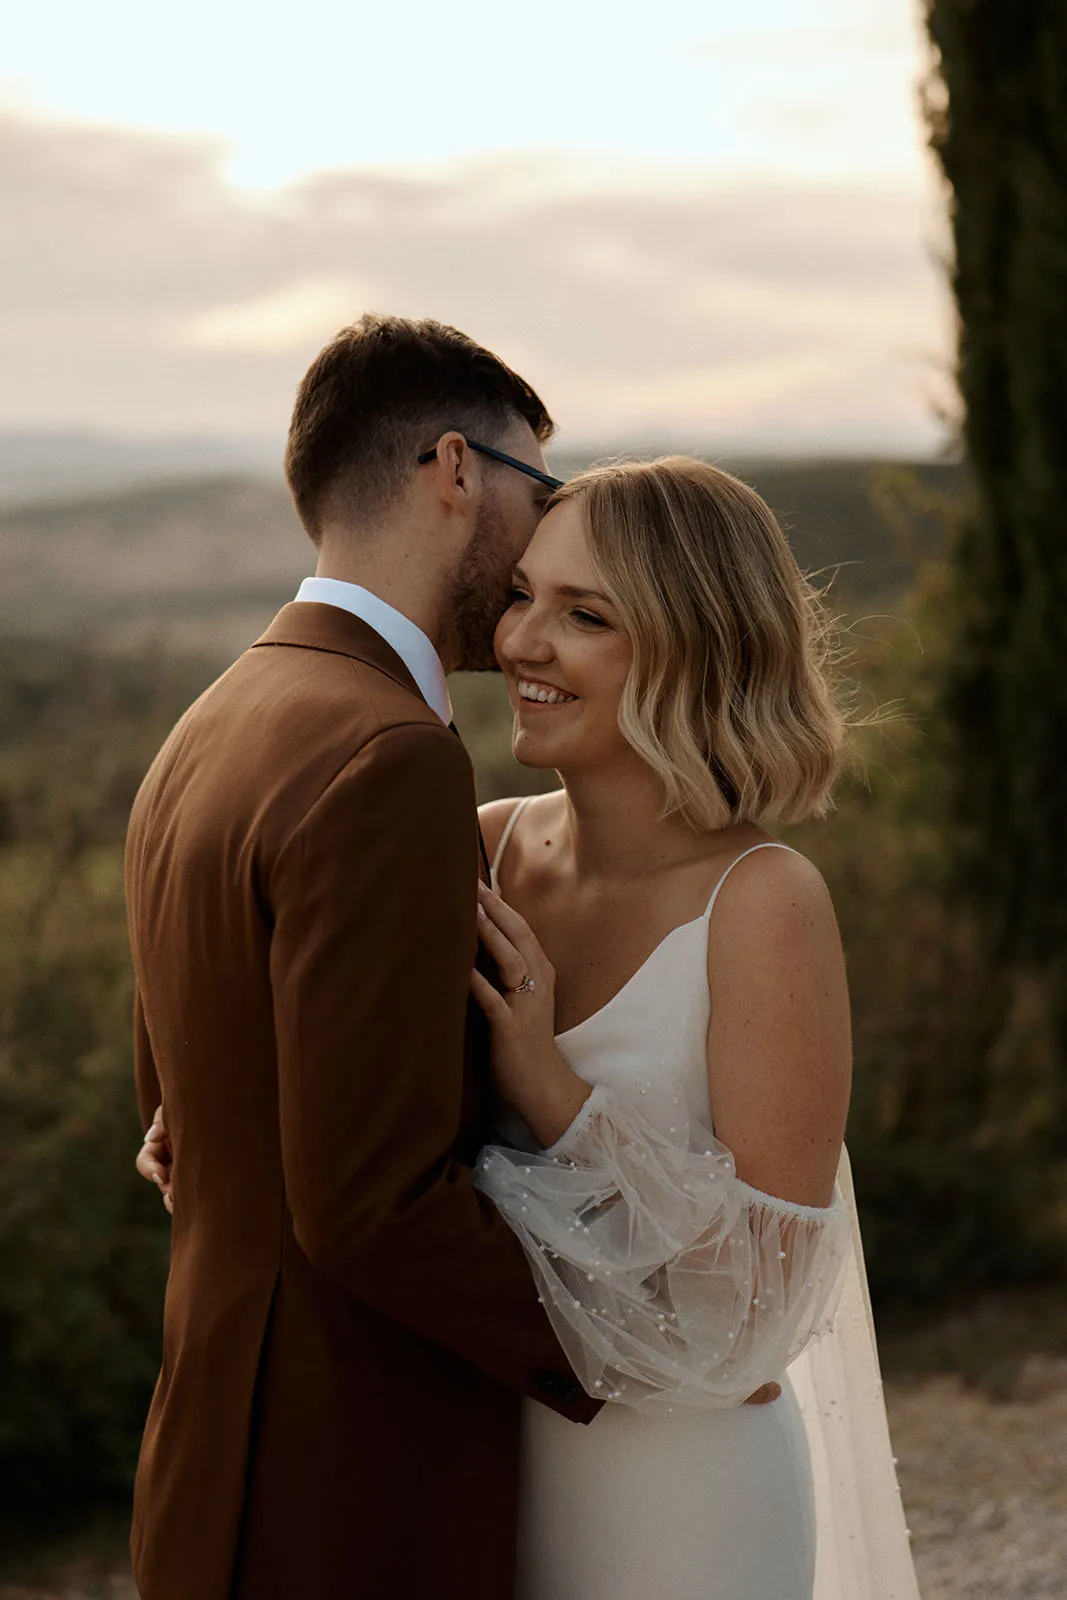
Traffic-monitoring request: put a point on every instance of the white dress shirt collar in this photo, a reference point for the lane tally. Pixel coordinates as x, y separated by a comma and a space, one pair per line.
406, 638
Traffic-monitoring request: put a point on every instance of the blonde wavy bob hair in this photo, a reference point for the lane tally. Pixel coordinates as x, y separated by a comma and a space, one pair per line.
728, 697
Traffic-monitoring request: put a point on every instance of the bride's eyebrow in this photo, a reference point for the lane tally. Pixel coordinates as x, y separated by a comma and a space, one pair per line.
568, 589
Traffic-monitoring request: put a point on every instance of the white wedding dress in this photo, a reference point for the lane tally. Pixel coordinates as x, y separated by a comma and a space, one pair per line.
677, 1290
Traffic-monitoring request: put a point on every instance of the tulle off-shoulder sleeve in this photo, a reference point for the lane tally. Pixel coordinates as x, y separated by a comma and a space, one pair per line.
668, 1280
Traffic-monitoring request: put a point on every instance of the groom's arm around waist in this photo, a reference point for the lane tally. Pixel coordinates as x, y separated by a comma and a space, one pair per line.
374, 897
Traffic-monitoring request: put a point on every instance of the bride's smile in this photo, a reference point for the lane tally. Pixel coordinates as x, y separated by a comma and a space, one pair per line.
543, 694
563, 651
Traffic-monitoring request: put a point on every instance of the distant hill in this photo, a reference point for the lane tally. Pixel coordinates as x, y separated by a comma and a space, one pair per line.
200, 565
204, 563
54, 466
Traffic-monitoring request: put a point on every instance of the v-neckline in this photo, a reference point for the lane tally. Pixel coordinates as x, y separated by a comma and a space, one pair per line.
632, 979
494, 878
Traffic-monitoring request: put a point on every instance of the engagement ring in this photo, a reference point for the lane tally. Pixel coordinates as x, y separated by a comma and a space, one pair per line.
527, 986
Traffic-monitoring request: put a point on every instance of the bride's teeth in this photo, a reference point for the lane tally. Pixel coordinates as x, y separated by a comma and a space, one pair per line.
551, 697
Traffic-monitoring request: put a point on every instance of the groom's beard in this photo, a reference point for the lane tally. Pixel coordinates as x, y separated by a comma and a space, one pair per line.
479, 593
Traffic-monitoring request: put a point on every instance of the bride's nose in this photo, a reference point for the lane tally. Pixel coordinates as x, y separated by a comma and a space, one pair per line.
524, 639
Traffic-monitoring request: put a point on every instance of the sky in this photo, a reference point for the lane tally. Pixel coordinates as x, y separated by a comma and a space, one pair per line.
682, 222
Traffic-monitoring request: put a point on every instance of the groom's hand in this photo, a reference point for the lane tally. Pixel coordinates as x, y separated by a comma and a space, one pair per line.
764, 1395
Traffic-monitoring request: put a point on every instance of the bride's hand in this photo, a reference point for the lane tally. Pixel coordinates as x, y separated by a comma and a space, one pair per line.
527, 1066
154, 1158
528, 1069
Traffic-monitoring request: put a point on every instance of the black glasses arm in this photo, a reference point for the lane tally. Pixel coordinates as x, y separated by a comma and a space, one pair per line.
508, 461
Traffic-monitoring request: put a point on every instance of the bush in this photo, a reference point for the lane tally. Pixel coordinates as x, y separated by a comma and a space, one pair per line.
82, 1257
951, 1132
958, 1173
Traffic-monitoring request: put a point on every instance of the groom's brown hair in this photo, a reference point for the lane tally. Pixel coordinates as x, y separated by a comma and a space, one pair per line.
381, 391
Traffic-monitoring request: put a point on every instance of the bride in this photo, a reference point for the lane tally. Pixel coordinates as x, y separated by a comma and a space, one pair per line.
672, 1054
671, 970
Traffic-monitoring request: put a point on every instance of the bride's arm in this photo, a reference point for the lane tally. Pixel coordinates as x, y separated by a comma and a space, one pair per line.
669, 1278
779, 1046
779, 1042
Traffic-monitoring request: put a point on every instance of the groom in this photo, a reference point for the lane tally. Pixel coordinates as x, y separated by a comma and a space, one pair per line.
349, 1326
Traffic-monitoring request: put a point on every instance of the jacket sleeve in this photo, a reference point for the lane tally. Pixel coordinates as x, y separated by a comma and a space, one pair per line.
374, 899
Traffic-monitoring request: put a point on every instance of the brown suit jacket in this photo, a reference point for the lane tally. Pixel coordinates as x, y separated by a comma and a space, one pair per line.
349, 1326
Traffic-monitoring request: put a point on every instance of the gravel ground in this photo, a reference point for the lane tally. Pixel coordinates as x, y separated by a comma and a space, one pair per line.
984, 1483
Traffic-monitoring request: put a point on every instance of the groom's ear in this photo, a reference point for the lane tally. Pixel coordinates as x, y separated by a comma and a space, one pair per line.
456, 468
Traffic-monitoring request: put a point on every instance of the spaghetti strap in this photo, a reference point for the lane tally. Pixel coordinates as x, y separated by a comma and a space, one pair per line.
506, 835
768, 844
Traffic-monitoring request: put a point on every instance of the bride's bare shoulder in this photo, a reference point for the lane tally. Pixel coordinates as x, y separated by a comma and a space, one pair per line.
493, 818
495, 815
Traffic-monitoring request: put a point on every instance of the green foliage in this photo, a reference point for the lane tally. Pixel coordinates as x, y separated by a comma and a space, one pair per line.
953, 1128
956, 1176
998, 117
82, 1258
997, 108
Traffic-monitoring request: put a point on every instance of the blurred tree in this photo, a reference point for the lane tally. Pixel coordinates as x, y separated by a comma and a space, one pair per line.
997, 111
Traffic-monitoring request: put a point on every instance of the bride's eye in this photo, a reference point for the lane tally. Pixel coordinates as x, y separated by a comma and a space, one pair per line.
515, 595
589, 619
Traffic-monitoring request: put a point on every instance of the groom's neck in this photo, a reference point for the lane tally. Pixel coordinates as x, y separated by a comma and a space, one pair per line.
393, 564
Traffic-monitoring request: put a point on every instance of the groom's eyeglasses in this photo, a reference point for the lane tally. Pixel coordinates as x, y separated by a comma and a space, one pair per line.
509, 461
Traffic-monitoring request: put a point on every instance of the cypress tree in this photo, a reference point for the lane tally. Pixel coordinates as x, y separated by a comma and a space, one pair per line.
997, 111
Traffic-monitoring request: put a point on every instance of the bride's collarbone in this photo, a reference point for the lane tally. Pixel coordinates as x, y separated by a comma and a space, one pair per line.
608, 922
599, 936
598, 949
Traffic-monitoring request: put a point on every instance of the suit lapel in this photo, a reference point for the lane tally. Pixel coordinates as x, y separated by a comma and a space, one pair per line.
309, 625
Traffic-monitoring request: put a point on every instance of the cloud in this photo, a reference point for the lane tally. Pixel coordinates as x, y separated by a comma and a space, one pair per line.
140, 289
842, 35
274, 323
